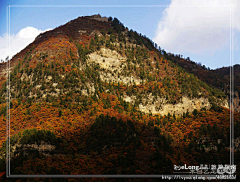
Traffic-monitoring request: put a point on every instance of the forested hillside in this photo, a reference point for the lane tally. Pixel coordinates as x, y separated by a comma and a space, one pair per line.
93, 97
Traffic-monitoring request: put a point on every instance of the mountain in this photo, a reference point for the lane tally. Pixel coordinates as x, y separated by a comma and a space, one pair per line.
93, 97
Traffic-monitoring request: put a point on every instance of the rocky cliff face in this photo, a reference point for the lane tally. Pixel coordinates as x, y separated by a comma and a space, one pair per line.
185, 105
43, 148
236, 102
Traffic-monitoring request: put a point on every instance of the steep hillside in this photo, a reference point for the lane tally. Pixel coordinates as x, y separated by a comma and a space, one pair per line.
93, 97
219, 78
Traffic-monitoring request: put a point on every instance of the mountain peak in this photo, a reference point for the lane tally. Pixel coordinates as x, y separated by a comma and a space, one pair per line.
98, 17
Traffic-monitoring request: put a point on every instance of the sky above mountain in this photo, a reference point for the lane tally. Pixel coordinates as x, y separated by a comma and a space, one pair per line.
206, 31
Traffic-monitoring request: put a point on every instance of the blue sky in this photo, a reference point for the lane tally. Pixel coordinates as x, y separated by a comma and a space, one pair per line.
199, 31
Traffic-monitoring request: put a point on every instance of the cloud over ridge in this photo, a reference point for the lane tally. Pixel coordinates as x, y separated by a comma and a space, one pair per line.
18, 41
197, 26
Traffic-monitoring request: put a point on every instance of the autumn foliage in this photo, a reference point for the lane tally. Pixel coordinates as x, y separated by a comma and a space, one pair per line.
60, 100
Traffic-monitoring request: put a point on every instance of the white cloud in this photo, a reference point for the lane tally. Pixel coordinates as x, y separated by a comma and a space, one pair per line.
18, 41
197, 26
